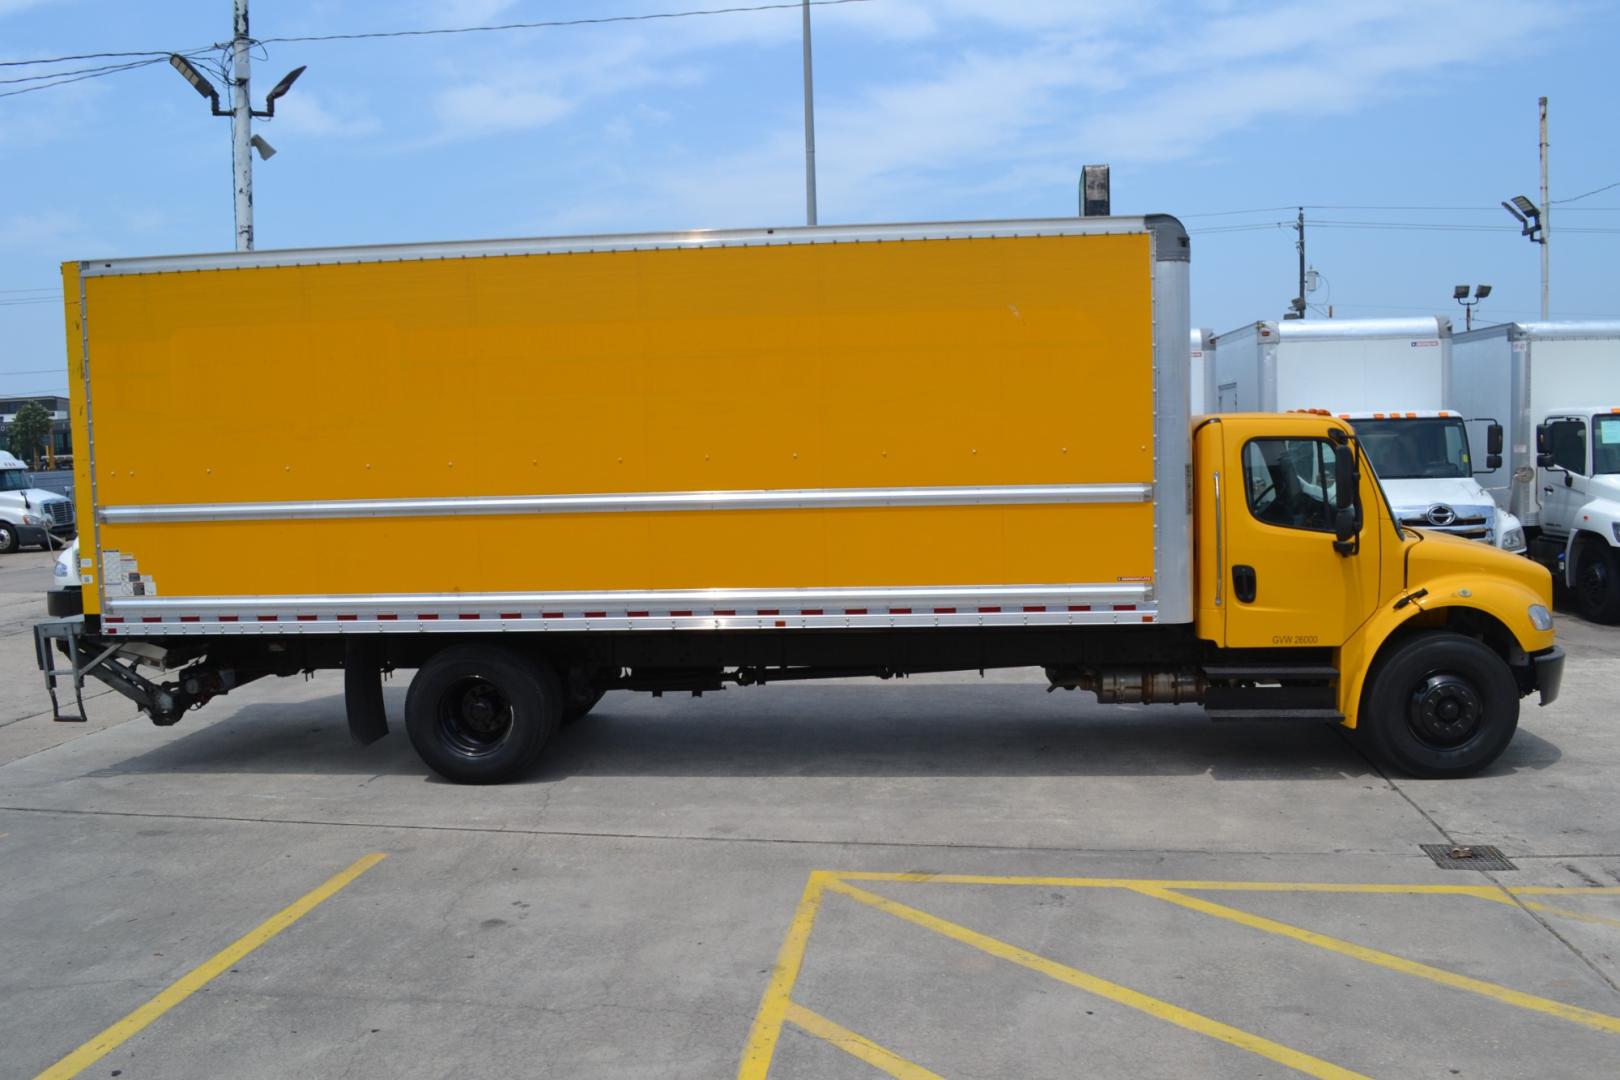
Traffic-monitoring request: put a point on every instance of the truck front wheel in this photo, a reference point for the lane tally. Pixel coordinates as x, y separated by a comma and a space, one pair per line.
1597, 581
1440, 705
481, 714
9, 540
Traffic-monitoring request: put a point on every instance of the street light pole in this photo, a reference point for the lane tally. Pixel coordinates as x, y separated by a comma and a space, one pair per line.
1546, 226
242, 126
809, 124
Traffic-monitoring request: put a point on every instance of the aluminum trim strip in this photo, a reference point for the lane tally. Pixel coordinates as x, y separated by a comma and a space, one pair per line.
694, 238
635, 502
787, 620
679, 599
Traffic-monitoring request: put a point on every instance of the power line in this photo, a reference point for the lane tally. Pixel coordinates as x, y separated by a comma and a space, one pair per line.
160, 54
1594, 191
554, 23
34, 371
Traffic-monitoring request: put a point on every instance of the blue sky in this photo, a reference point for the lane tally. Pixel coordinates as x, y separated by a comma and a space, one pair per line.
926, 110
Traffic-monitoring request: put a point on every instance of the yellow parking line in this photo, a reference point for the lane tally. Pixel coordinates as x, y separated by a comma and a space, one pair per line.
199, 976
858, 1046
773, 1007
1573, 1013
1123, 995
1225, 886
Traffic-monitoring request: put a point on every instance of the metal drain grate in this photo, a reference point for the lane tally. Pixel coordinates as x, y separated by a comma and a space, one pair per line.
1478, 857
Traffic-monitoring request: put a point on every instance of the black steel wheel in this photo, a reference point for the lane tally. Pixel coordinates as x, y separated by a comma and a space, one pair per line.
1439, 705
9, 539
480, 714
1597, 582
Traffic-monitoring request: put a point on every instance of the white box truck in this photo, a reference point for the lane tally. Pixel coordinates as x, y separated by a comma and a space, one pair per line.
1556, 388
1391, 378
1203, 371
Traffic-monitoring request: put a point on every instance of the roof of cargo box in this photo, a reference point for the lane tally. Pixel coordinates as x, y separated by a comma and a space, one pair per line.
1428, 326
1169, 234
1565, 330
1432, 326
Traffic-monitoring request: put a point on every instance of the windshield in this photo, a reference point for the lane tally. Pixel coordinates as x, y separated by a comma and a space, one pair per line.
15, 480
1606, 447
1416, 449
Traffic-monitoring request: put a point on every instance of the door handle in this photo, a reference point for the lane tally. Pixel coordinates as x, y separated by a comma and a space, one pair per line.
1547, 490
1244, 583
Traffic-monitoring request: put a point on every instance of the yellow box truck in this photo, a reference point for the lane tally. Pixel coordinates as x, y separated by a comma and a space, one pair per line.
538, 471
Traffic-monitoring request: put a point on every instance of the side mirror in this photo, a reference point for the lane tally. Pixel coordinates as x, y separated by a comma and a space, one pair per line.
1544, 460
1493, 462
1541, 438
1346, 479
1493, 443
1346, 527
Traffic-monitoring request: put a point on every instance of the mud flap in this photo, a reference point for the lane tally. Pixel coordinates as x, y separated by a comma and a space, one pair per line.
362, 689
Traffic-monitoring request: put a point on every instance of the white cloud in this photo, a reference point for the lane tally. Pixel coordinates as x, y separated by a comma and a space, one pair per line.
37, 230
487, 108
310, 113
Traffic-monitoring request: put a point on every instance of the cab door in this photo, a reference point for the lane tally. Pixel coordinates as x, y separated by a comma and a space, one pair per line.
1562, 488
1283, 582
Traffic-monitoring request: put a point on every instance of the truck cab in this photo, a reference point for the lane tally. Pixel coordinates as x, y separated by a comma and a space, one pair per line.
1578, 487
30, 516
1426, 465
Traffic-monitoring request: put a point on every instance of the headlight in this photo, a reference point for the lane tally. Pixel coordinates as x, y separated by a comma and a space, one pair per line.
1540, 617
30, 519
1616, 528
1513, 540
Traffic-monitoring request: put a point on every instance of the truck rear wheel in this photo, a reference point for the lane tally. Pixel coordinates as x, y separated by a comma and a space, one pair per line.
1597, 581
1440, 705
481, 714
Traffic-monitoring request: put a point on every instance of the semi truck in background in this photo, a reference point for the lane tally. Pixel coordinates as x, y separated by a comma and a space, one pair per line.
29, 515
1391, 378
975, 450
1556, 388
1202, 379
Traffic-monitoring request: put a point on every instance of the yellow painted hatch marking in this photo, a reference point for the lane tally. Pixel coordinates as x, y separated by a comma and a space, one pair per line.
199, 976
773, 1007
1573, 1013
857, 1045
1112, 991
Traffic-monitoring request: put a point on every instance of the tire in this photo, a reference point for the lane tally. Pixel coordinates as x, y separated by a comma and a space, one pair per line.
480, 714
9, 539
580, 707
1439, 706
1597, 582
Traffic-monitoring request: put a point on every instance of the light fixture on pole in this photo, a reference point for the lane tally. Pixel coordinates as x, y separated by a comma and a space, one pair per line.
242, 112
1460, 294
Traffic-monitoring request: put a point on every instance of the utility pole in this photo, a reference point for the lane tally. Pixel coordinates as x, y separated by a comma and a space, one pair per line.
809, 122
1546, 225
242, 112
1297, 307
242, 125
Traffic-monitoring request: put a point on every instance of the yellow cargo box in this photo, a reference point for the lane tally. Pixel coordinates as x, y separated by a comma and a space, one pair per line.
936, 424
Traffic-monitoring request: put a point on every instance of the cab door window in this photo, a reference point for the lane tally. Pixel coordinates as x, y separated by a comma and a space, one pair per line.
1290, 482
1606, 445
1566, 441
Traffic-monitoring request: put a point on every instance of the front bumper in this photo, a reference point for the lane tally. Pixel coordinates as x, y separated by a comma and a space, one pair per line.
65, 532
1548, 668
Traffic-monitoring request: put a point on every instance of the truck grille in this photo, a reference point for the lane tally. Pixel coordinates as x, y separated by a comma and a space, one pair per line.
1469, 528
60, 511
